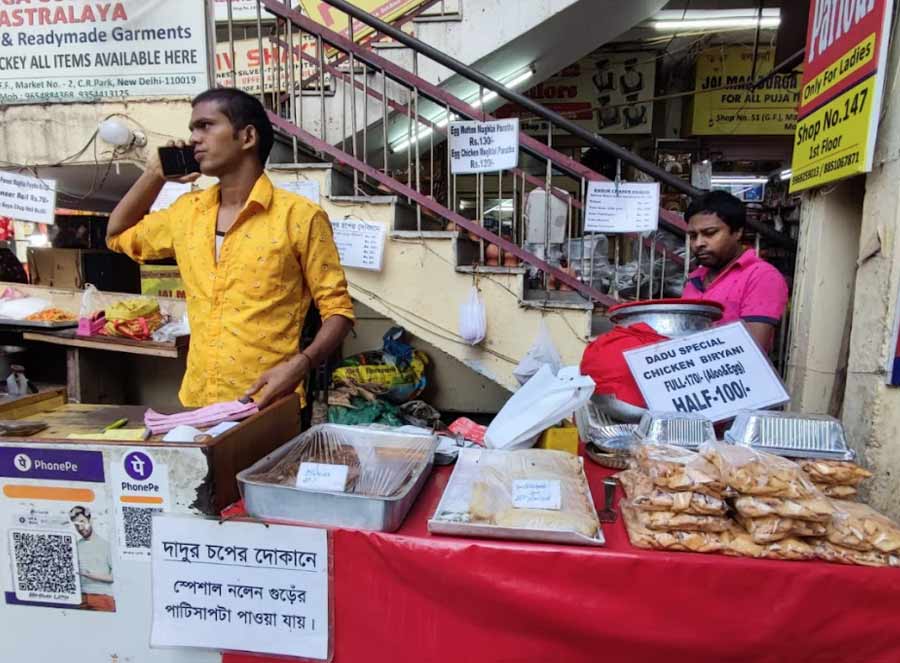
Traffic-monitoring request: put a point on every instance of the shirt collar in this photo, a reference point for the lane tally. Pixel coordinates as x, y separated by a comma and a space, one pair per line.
261, 194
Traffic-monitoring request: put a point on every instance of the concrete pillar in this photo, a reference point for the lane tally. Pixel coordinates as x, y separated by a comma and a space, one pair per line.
821, 305
872, 409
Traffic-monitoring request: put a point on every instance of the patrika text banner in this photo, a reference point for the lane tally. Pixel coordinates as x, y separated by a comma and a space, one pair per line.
77, 50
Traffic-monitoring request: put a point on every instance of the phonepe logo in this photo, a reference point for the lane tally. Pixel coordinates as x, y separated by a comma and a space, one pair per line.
138, 466
22, 462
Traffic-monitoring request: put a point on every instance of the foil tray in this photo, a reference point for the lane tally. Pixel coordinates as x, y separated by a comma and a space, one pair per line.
790, 434
454, 522
676, 429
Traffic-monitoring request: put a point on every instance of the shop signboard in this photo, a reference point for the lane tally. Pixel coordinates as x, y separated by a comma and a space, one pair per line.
242, 65
27, 198
484, 147
626, 207
241, 586
72, 50
606, 93
715, 373
723, 104
843, 83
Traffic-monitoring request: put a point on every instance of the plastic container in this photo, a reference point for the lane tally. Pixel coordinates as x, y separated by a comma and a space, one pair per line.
790, 434
680, 430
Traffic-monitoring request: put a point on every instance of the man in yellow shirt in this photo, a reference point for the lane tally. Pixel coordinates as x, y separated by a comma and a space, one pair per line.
252, 258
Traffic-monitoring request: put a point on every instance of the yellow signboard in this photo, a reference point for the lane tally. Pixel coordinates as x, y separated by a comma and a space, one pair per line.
336, 20
723, 104
161, 281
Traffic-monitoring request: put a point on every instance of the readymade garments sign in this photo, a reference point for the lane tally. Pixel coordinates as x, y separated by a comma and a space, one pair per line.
73, 50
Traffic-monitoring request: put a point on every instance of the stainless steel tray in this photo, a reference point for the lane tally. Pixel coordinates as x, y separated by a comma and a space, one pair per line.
790, 434
36, 324
680, 430
457, 527
289, 504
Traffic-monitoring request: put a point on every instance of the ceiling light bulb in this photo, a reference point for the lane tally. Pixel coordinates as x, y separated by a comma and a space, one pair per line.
115, 132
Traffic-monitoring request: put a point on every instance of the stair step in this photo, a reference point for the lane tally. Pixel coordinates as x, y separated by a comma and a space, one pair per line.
556, 299
455, 17
319, 165
365, 200
485, 269
424, 234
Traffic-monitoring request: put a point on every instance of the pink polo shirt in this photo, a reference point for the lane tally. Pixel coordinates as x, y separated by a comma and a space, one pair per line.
749, 288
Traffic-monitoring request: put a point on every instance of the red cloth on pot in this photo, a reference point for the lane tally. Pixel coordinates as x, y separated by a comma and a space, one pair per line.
604, 361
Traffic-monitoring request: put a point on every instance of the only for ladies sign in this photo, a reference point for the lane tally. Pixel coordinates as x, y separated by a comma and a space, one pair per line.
715, 373
75, 50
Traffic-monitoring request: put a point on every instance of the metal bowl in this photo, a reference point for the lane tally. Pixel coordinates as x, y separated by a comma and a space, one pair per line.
669, 317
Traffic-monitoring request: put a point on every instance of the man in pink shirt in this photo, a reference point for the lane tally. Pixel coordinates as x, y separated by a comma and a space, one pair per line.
749, 288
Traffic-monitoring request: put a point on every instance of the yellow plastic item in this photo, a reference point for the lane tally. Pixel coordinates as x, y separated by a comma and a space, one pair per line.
560, 438
129, 309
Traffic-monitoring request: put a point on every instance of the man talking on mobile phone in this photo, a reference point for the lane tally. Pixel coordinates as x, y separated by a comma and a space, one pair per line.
253, 259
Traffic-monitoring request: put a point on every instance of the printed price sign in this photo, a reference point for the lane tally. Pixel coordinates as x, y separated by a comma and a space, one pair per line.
322, 476
359, 243
483, 147
536, 494
632, 208
240, 586
306, 188
715, 373
27, 198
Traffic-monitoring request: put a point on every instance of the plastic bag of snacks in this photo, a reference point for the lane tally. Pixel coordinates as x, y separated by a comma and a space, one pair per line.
837, 492
860, 527
774, 528
740, 543
815, 509
829, 552
678, 469
135, 318
643, 537
683, 522
834, 472
639, 489
752, 472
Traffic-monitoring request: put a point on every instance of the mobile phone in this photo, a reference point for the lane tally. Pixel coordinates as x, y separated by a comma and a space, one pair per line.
177, 161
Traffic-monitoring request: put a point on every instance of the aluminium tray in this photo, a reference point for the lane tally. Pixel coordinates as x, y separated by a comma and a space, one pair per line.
289, 504
37, 324
790, 434
680, 430
460, 484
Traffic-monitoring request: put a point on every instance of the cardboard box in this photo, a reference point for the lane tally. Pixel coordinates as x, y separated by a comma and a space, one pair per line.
73, 268
560, 438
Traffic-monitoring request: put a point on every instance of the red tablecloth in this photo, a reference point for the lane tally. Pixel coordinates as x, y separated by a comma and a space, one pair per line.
413, 596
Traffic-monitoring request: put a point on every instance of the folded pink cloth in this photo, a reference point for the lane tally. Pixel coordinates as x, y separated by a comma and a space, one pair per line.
205, 417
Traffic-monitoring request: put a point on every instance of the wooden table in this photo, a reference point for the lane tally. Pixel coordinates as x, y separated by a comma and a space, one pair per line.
90, 376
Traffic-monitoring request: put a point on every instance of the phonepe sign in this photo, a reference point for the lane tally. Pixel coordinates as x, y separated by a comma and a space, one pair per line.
715, 373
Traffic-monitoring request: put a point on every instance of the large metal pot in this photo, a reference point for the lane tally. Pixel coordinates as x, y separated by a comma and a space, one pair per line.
669, 317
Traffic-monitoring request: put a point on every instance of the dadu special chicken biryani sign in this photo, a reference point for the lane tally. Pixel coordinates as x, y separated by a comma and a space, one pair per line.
840, 98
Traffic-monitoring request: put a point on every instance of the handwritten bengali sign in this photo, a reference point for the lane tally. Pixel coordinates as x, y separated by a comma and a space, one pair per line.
240, 586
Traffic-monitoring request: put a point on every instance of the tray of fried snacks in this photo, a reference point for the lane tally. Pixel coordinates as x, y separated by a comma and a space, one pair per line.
530, 494
834, 472
679, 469
813, 509
860, 527
776, 528
676, 429
642, 536
751, 472
828, 552
740, 543
837, 492
669, 521
343, 476
643, 494
790, 434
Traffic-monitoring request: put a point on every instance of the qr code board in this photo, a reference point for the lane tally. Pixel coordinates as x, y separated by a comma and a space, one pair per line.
45, 566
137, 523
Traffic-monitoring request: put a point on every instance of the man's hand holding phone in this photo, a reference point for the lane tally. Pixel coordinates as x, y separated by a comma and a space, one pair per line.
175, 163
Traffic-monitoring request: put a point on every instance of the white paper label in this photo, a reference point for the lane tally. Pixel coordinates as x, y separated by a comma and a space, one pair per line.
715, 373
322, 476
170, 192
359, 243
27, 198
240, 586
633, 209
484, 147
536, 494
306, 188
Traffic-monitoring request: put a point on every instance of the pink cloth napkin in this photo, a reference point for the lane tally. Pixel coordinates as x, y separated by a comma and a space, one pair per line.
205, 417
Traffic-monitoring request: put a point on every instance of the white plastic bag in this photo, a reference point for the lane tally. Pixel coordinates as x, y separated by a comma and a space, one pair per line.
542, 352
19, 309
91, 301
472, 322
543, 401
172, 330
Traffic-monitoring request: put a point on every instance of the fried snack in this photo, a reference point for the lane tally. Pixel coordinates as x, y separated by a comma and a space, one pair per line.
647, 497
52, 315
642, 537
860, 527
752, 472
678, 469
834, 472
285, 471
814, 509
740, 543
839, 492
491, 500
827, 551
669, 521
775, 528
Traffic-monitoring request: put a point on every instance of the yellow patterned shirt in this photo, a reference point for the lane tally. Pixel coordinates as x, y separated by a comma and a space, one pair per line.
247, 309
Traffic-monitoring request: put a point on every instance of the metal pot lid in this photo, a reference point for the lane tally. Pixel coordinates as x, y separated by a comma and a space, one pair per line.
710, 309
